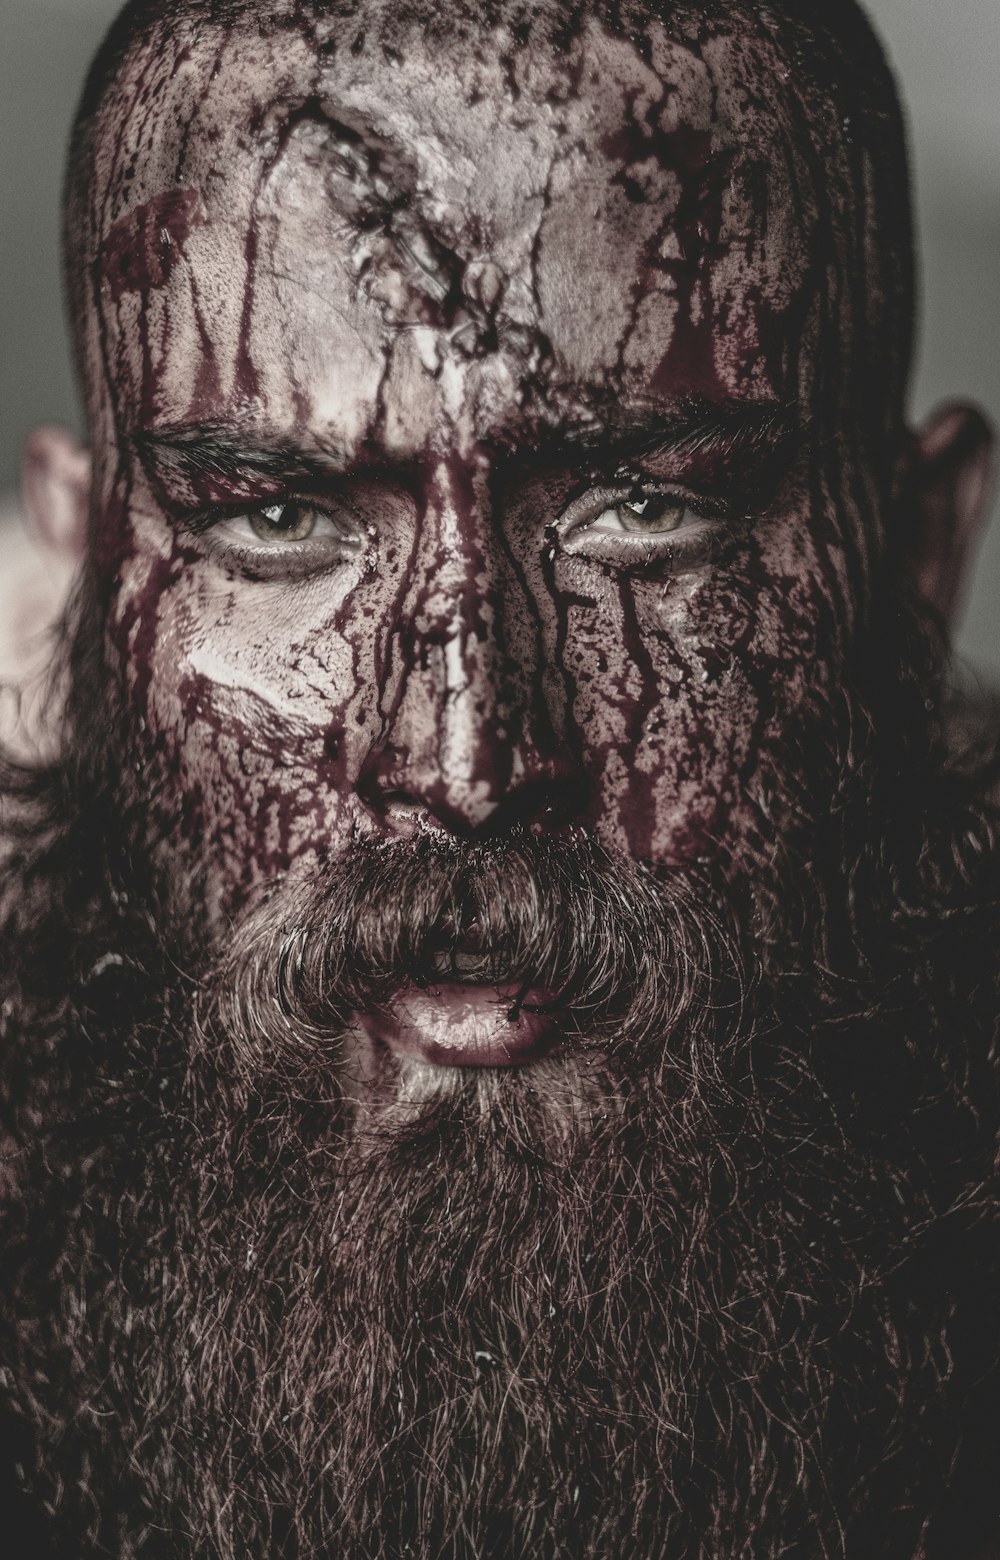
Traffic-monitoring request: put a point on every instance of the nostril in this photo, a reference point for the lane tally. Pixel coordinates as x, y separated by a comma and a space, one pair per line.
379, 786
403, 795
545, 804
401, 814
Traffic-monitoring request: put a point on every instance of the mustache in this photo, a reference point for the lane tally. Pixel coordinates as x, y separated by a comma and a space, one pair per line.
621, 953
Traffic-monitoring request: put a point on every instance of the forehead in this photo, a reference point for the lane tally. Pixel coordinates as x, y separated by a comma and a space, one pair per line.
301, 218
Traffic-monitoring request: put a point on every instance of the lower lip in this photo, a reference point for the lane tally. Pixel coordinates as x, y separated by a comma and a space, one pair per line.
464, 1026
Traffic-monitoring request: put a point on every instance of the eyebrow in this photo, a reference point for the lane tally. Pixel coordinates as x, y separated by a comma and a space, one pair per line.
206, 454
727, 430
203, 453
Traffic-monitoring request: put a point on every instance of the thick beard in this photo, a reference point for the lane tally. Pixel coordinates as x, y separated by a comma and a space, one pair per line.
713, 1282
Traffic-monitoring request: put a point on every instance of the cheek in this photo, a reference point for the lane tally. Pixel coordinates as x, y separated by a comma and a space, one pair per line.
251, 708
683, 695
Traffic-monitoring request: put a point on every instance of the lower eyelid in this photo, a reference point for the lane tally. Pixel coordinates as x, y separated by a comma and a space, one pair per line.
698, 525
296, 562
255, 559
690, 546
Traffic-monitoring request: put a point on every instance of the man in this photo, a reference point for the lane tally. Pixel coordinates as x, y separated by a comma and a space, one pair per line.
500, 1013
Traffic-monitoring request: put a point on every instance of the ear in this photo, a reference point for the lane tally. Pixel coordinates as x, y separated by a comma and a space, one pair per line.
950, 481
55, 485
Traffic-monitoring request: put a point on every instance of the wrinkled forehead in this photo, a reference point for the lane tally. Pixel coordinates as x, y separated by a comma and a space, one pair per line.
625, 216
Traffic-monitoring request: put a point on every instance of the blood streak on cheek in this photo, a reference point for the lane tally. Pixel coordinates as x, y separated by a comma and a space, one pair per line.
110, 537
138, 629
643, 703
701, 738
267, 771
249, 768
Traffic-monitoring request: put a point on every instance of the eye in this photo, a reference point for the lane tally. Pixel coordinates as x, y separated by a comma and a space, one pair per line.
291, 520
633, 526
654, 515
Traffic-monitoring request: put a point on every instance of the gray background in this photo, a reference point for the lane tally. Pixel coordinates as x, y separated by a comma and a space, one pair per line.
948, 58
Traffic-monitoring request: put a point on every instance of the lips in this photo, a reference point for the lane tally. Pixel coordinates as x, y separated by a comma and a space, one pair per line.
456, 1025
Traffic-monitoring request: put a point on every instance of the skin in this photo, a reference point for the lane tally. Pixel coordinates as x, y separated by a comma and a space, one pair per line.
460, 312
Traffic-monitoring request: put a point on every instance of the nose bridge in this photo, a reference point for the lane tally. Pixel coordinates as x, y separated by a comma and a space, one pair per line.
458, 617
463, 724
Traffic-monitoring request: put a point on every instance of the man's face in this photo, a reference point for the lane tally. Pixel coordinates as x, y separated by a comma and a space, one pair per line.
469, 465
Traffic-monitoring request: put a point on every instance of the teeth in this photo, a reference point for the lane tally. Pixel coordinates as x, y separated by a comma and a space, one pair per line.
459, 962
465, 962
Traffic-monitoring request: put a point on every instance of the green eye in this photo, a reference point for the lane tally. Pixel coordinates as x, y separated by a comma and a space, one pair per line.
289, 522
651, 516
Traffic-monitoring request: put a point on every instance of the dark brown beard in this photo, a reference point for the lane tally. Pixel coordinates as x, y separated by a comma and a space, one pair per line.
716, 1282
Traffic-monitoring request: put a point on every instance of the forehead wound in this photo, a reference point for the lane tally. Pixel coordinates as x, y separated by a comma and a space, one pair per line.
519, 203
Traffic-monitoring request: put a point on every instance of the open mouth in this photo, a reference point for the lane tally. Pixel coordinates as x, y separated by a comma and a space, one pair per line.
458, 1024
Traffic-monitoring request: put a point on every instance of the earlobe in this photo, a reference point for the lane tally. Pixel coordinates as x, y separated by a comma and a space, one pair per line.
55, 484
951, 482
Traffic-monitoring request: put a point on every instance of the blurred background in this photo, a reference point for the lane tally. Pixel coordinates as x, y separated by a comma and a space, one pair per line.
947, 57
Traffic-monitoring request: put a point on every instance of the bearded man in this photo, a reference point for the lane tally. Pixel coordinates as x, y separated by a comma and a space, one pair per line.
500, 995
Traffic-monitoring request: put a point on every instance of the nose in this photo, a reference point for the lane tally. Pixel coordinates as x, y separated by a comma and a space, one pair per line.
467, 740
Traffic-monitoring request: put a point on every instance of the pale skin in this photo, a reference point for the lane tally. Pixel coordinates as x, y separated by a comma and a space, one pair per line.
455, 460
